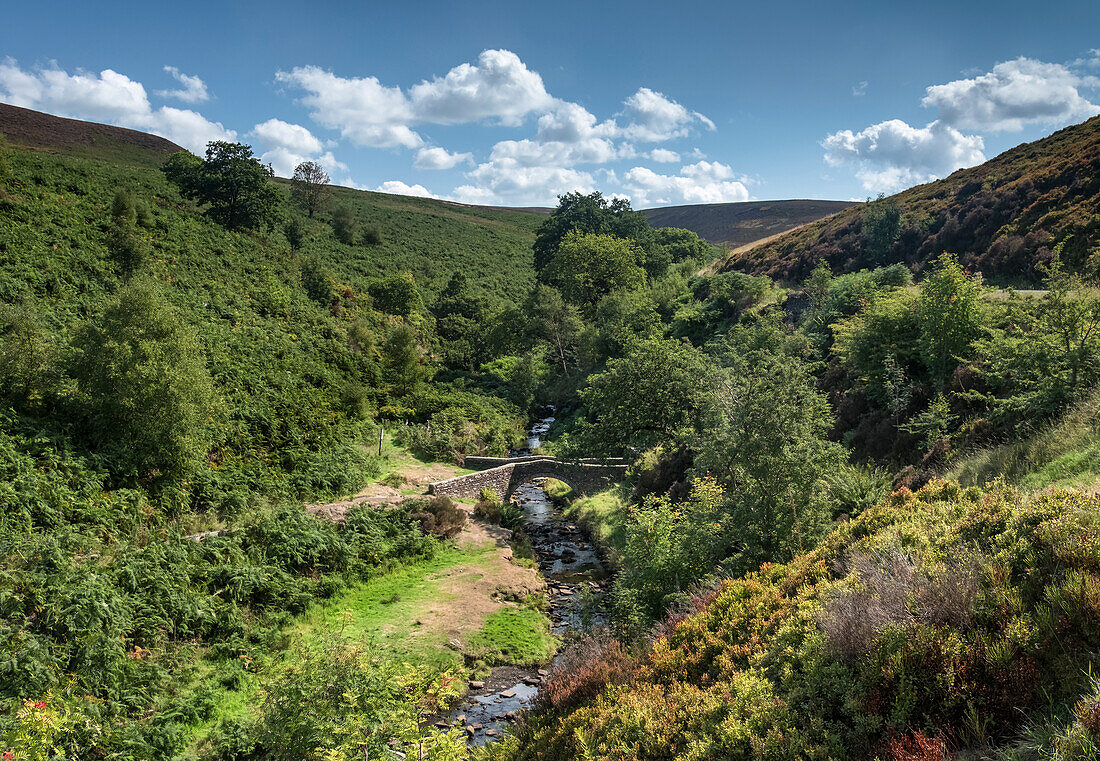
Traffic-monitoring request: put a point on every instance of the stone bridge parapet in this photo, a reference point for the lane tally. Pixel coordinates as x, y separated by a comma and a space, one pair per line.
502, 475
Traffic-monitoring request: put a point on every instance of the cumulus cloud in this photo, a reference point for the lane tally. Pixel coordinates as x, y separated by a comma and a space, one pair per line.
893, 154
702, 182
107, 97
654, 118
288, 145
192, 91
362, 109
498, 86
397, 187
508, 181
1016, 93
663, 156
440, 158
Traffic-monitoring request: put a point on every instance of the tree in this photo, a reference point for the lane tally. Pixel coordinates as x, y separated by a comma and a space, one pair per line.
880, 228
587, 214
403, 360
147, 390
396, 294
949, 316
768, 449
658, 393
556, 322
309, 187
586, 267
232, 181
344, 225
123, 240
27, 358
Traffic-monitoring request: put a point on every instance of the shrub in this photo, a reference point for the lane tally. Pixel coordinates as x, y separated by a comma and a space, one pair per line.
583, 670
146, 386
897, 591
439, 516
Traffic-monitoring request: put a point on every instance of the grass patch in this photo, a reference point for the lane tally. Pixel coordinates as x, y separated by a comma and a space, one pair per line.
387, 609
516, 636
1064, 454
603, 516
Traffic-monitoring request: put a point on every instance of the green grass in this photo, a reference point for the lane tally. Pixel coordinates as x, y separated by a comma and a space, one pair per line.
385, 611
1064, 454
603, 515
518, 636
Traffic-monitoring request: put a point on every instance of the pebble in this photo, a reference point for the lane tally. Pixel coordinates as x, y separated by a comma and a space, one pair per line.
477, 685
508, 694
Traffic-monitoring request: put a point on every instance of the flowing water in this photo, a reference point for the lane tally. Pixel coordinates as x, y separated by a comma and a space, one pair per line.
576, 579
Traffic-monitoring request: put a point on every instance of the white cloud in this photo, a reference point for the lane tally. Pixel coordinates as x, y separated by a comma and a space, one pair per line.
365, 111
663, 156
107, 97
507, 181
288, 145
860, 89
193, 90
440, 158
702, 182
654, 118
1016, 93
498, 86
892, 154
397, 187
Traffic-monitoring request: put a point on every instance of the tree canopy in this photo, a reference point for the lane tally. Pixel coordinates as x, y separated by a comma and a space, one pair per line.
234, 184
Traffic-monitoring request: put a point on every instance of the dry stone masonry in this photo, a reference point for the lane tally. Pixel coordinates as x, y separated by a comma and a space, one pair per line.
503, 474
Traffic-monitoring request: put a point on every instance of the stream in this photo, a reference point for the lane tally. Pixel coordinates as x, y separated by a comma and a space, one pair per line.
576, 580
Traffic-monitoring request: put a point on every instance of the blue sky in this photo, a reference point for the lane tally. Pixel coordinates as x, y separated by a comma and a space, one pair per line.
513, 103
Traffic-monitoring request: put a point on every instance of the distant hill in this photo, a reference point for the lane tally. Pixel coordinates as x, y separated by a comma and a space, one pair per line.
1002, 218
736, 224
34, 129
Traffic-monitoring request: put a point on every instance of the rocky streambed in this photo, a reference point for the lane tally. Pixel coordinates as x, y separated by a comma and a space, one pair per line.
576, 579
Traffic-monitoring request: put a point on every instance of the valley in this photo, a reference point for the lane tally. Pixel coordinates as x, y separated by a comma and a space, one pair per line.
340, 474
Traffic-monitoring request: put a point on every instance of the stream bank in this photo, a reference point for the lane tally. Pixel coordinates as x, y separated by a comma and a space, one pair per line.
577, 581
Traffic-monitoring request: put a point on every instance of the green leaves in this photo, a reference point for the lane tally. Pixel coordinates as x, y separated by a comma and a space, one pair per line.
236, 185
145, 384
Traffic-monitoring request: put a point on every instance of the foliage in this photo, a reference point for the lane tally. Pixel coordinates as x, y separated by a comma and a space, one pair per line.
234, 184
657, 393
959, 650
880, 225
143, 379
309, 187
586, 267
345, 226
949, 318
438, 516
586, 215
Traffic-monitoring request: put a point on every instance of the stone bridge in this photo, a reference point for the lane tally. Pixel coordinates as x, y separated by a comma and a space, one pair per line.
503, 474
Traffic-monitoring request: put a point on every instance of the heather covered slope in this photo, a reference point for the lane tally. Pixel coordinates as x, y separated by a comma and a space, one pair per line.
946, 623
738, 224
1002, 218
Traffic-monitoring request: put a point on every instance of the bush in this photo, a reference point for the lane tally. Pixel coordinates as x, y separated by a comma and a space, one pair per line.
509, 514
897, 591
584, 670
438, 516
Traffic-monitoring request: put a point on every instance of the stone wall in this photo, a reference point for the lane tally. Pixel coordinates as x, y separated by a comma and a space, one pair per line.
584, 476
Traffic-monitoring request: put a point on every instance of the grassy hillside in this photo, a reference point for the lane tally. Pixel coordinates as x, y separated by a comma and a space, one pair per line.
1002, 218
736, 224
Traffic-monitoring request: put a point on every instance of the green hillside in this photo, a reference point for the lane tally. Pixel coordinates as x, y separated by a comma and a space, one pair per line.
1002, 218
